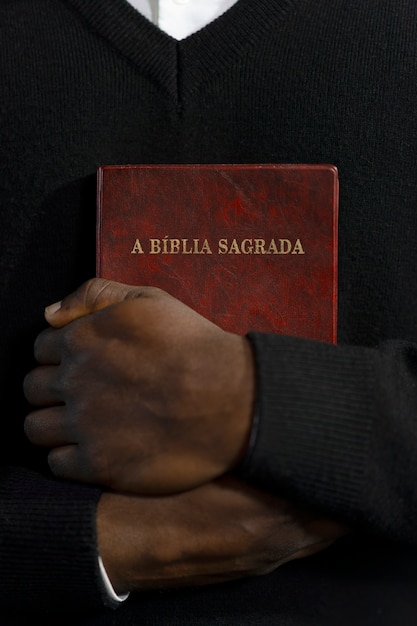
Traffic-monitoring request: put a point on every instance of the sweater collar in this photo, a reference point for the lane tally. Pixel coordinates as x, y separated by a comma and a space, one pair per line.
181, 66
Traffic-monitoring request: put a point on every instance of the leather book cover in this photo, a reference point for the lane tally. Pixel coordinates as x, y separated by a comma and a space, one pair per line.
251, 247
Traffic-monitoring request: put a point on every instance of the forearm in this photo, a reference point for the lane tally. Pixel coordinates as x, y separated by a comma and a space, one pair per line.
334, 421
49, 557
219, 532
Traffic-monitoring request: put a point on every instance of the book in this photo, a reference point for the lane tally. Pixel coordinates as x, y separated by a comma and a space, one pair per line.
252, 247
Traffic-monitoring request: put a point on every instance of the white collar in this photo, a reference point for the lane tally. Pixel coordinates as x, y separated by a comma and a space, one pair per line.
181, 18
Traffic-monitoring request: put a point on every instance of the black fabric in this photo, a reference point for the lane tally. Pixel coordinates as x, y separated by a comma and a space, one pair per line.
89, 83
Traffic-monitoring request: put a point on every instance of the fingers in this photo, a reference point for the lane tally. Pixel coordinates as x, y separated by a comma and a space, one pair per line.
50, 428
70, 462
48, 347
41, 387
64, 462
91, 296
47, 427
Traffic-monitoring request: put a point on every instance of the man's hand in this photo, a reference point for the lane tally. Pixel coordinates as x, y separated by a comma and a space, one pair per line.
139, 392
221, 531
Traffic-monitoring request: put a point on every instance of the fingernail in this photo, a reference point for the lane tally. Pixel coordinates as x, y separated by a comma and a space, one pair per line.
53, 308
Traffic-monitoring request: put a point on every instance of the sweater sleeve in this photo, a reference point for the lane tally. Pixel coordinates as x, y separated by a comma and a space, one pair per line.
48, 552
337, 430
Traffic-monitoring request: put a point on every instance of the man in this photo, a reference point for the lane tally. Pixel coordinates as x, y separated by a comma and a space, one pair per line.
331, 454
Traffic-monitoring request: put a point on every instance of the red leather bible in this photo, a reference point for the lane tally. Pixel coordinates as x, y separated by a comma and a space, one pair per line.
251, 247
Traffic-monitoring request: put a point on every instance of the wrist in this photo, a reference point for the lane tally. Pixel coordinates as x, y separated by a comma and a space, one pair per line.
244, 404
108, 584
112, 555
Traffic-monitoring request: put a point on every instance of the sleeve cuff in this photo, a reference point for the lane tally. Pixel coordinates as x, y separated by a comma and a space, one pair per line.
108, 586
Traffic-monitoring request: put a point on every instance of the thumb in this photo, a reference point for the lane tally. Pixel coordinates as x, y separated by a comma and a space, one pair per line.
91, 296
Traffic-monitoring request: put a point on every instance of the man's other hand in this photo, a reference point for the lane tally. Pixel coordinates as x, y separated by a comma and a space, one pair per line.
138, 392
215, 533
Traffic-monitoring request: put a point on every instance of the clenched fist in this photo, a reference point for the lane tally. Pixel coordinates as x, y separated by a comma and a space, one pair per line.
138, 392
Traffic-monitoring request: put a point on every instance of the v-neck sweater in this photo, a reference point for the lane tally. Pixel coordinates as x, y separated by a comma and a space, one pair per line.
90, 83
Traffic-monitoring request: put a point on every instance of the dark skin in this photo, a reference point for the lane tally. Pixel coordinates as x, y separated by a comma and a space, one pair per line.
215, 533
142, 395
139, 392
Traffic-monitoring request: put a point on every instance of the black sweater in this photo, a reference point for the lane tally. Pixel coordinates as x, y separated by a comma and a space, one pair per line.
89, 82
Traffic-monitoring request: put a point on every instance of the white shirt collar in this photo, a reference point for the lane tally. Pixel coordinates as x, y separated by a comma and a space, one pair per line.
181, 18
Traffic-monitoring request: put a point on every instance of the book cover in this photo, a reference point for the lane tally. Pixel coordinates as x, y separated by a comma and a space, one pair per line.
252, 247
